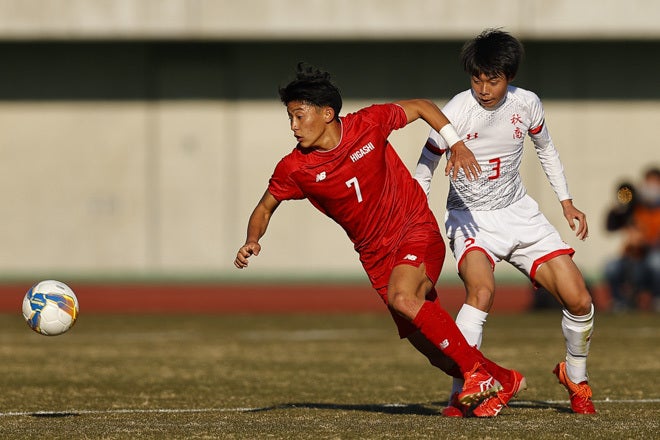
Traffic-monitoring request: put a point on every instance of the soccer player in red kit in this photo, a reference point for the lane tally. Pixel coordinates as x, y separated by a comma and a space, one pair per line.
346, 168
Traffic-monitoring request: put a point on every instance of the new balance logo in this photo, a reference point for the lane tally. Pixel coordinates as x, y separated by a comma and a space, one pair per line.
410, 257
320, 176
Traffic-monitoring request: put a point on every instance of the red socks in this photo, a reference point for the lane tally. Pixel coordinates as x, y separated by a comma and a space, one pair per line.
438, 327
502, 375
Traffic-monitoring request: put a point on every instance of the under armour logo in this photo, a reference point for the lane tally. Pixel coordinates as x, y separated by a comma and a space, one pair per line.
320, 176
444, 344
410, 257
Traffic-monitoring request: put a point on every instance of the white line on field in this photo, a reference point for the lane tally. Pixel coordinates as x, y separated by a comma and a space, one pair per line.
555, 402
76, 412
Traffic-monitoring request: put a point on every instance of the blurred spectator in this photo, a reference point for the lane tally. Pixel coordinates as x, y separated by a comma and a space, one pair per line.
635, 275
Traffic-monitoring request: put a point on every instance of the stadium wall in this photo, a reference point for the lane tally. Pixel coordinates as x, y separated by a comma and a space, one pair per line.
316, 19
138, 135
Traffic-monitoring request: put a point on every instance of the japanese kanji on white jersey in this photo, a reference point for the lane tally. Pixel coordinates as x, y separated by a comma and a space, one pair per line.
496, 138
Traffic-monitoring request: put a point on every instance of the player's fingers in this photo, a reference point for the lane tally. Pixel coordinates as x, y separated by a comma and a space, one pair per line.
571, 223
584, 230
447, 168
472, 169
474, 172
241, 257
468, 169
477, 170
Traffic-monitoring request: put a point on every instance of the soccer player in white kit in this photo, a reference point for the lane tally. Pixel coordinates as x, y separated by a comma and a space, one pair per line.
492, 218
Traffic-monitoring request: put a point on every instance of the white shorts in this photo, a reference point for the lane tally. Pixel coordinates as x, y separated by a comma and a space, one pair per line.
519, 234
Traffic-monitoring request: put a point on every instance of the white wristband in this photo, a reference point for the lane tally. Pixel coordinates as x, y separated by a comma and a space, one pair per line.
449, 135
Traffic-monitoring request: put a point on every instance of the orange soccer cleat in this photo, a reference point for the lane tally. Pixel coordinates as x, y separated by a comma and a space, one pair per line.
479, 385
580, 393
493, 405
455, 408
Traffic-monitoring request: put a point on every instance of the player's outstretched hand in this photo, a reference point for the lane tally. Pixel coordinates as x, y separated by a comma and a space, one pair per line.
461, 158
572, 215
245, 252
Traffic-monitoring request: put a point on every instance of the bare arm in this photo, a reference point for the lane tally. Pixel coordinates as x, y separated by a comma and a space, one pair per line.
257, 226
461, 157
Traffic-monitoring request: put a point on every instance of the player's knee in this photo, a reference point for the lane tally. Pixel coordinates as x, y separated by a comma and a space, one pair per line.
396, 300
404, 303
480, 298
581, 306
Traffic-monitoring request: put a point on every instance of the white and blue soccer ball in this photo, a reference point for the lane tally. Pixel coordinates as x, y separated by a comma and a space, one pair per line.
50, 307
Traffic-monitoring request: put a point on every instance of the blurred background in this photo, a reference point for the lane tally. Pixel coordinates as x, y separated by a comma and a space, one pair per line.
136, 136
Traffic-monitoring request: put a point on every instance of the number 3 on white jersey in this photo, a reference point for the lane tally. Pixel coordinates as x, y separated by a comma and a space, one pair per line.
354, 182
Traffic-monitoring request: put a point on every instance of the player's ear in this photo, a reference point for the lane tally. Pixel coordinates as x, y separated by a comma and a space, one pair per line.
328, 114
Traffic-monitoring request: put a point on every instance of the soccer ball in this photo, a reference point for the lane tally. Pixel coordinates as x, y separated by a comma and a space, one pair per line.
50, 307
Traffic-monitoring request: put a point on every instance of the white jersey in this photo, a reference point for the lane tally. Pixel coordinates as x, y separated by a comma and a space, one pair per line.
495, 137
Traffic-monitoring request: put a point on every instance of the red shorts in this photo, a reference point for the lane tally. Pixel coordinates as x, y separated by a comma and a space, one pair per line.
424, 245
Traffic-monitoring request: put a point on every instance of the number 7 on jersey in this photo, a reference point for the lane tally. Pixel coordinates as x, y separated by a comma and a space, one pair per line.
354, 182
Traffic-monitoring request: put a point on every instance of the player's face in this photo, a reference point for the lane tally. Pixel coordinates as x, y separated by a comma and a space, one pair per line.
308, 123
489, 91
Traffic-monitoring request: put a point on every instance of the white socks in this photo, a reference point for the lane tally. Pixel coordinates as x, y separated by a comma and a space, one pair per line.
577, 332
470, 321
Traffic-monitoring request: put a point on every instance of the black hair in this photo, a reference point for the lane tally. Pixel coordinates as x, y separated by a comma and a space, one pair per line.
312, 86
492, 53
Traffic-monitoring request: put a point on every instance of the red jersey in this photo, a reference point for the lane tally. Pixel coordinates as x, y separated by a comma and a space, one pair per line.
361, 184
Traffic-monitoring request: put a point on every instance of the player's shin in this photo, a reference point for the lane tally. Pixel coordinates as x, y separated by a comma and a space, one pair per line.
438, 327
470, 322
577, 333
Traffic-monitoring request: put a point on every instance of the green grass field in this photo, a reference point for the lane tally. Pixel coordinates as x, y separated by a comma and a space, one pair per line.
307, 377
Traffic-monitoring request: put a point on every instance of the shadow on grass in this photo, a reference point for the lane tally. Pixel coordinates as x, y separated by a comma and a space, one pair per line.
410, 409
54, 414
540, 404
430, 409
